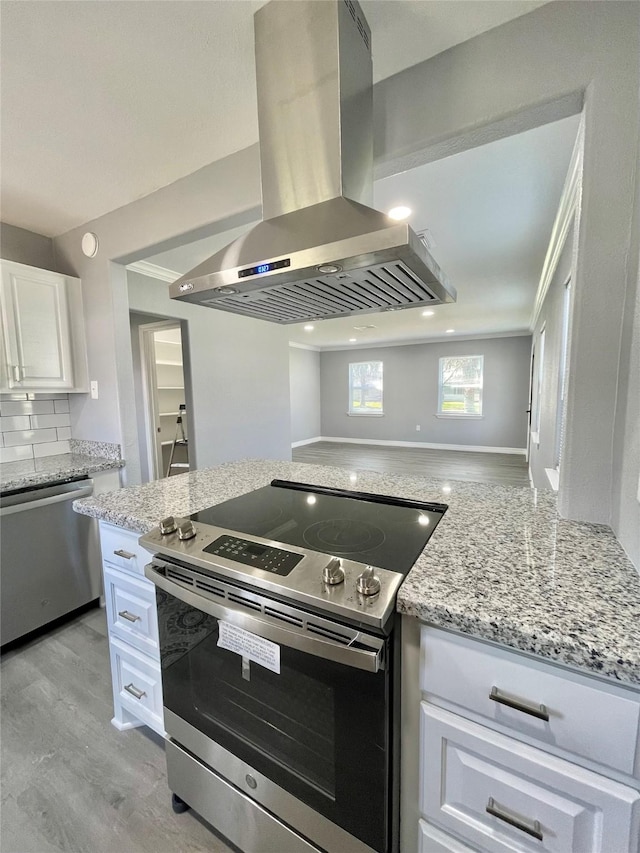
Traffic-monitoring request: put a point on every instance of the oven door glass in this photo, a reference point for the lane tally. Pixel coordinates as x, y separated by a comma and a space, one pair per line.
320, 730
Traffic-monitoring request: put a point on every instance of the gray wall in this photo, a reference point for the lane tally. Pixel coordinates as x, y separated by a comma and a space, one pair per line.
26, 247
543, 455
304, 385
239, 377
626, 447
537, 68
410, 394
137, 320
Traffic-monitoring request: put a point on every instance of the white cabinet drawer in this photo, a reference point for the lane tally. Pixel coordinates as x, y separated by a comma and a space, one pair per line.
137, 684
131, 610
586, 717
494, 792
432, 840
120, 548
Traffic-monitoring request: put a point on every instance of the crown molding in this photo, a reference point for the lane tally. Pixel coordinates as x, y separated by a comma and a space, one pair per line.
567, 207
437, 339
304, 346
154, 271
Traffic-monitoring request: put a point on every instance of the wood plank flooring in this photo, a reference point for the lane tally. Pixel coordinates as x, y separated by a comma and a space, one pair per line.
70, 781
504, 468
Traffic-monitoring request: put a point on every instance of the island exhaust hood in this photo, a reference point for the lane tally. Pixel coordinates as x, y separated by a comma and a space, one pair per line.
321, 251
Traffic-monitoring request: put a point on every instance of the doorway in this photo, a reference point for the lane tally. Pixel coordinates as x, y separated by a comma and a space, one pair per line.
164, 427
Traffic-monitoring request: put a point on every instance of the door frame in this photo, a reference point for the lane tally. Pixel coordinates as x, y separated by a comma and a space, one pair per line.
153, 448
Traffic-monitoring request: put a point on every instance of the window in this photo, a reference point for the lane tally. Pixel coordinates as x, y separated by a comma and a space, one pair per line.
365, 388
460, 385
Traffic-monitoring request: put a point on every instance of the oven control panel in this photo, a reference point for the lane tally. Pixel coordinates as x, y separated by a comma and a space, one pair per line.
265, 557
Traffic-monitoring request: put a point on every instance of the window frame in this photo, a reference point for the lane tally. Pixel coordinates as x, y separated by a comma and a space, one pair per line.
357, 412
453, 414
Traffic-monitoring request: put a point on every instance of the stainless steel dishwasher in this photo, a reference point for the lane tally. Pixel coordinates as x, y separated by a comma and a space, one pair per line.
49, 556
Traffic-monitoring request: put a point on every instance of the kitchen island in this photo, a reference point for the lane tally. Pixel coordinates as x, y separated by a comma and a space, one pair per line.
520, 646
501, 566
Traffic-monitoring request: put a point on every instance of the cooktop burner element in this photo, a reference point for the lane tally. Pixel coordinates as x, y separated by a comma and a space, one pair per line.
343, 536
334, 550
376, 530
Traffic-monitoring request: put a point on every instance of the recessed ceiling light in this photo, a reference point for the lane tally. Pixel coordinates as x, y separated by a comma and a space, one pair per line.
309, 328
449, 331
428, 313
352, 340
400, 212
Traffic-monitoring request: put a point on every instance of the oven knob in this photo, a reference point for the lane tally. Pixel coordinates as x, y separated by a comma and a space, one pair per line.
333, 572
168, 525
186, 530
368, 582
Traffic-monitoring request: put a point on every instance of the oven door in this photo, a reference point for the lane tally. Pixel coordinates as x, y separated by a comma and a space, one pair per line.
319, 727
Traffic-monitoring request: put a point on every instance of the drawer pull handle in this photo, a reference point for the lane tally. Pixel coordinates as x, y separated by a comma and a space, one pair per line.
130, 617
539, 711
126, 555
131, 688
531, 827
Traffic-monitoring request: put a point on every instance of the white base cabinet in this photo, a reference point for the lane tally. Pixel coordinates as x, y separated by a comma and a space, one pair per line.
130, 601
522, 756
503, 795
43, 347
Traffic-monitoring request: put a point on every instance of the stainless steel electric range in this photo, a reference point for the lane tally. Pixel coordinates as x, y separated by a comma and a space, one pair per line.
279, 647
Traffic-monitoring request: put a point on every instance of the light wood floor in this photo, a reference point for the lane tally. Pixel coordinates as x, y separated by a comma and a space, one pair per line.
505, 468
70, 781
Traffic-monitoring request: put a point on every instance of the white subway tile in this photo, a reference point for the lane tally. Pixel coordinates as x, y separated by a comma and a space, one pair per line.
16, 454
53, 448
63, 433
16, 422
5, 398
29, 436
45, 421
61, 406
48, 396
27, 407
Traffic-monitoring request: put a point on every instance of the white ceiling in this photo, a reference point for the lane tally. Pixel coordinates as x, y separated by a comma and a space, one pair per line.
106, 101
489, 212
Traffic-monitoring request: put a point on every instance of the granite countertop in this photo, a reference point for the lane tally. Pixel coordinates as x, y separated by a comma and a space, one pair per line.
86, 457
501, 564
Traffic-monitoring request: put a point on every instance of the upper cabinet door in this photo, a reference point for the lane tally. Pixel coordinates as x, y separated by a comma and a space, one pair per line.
38, 347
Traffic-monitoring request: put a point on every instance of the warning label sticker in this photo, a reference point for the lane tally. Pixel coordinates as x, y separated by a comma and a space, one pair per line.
249, 646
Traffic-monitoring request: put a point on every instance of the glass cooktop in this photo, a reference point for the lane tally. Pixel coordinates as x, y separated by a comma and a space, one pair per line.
381, 531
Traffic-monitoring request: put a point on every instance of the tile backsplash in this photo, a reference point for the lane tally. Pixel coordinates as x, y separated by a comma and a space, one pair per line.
33, 425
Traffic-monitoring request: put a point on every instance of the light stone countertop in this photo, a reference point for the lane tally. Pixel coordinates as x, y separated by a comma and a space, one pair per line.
87, 457
501, 564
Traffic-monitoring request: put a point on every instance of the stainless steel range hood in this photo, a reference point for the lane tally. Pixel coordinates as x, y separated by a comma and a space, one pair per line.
321, 250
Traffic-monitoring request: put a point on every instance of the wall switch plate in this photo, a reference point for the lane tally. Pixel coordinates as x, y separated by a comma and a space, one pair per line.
94, 389
417, 427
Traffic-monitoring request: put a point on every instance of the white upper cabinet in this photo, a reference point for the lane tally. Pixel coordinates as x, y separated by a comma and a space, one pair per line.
43, 341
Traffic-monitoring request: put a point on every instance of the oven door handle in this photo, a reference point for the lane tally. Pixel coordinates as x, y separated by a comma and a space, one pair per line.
300, 639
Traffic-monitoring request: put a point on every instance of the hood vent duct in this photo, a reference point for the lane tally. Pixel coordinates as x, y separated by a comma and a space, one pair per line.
321, 251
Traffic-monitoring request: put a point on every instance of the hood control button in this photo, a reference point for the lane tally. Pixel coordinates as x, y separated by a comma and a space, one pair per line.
368, 582
333, 573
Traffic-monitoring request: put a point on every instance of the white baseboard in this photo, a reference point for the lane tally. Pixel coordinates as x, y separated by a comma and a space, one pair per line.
426, 445
306, 441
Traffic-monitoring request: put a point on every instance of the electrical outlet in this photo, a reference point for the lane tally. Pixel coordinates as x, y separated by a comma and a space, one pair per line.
417, 427
94, 389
